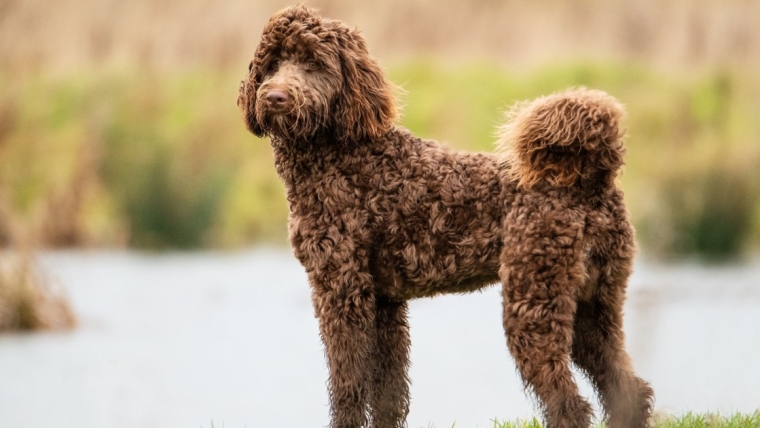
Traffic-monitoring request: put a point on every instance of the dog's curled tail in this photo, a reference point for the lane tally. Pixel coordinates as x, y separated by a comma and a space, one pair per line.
564, 139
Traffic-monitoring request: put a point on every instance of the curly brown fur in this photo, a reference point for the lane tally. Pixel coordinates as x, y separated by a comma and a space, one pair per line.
378, 217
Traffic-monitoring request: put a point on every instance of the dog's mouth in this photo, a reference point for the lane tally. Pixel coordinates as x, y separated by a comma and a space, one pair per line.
292, 120
283, 123
272, 116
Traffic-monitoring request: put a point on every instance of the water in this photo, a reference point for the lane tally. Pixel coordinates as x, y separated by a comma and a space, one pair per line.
181, 340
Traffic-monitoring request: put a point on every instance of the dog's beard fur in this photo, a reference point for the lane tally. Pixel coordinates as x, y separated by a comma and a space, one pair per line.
306, 117
292, 126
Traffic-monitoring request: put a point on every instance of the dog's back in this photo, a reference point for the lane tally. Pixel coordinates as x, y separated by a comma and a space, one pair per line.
440, 213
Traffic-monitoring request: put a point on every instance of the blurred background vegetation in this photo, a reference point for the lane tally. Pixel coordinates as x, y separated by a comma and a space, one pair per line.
118, 124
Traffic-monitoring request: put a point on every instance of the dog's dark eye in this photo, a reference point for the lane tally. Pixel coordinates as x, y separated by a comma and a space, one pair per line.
312, 65
274, 65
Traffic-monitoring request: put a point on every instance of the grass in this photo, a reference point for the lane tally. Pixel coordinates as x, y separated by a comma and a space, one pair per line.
687, 420
694, 420
155, 159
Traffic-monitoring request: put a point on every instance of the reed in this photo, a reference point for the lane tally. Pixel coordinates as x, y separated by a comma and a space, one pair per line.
27, 298
80, 34
161, 159
118, 125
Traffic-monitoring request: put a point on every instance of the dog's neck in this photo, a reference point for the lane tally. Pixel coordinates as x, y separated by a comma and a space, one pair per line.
302, 161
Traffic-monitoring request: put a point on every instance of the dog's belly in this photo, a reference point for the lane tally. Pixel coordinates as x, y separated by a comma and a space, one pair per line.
439, 225
399, 287
456, 252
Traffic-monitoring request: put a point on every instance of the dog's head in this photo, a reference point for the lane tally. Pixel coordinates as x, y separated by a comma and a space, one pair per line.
313, 76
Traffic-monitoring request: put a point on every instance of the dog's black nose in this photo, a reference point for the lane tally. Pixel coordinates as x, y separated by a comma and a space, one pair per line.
277, 98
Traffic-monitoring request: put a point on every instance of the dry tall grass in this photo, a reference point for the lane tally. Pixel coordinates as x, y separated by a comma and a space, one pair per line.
118, 124
66, 34
27, 301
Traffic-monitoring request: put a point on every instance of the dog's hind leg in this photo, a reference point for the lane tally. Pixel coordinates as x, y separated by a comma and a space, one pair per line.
542, 271
389, 399
598, 350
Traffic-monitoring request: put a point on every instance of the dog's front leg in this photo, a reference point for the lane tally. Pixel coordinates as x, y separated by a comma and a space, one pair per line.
389, 400
345, 306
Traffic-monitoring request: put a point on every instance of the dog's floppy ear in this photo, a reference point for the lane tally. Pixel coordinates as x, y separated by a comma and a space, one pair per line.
246, 101
364, 108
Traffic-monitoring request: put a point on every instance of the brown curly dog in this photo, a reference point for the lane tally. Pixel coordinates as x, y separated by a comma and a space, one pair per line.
378, 217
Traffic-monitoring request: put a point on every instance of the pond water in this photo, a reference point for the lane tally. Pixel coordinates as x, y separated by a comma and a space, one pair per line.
181, 340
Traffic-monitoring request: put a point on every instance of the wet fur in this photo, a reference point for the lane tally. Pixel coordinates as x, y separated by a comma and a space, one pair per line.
379, 217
